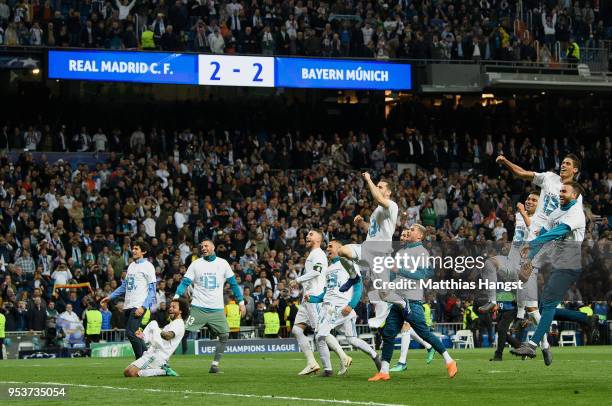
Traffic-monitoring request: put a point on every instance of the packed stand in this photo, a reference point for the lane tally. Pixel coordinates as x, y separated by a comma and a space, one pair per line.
257, 196
447, 29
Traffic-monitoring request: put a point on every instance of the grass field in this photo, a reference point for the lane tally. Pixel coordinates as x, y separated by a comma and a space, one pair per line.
577, 376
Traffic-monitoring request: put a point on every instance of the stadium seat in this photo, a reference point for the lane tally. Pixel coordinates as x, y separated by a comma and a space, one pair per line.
567, 337
368, 338
343, 342
25, 346
463, 338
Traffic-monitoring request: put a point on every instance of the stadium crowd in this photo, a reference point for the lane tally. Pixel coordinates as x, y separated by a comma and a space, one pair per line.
449, 29
256, 196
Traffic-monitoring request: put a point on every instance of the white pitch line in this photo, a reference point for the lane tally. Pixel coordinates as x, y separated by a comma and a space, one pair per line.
189, 392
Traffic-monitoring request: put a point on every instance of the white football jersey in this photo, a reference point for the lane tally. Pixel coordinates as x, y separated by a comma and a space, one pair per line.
137, 280
382, 223
208, 279
522, 234
315, 262
161, 348
336, 276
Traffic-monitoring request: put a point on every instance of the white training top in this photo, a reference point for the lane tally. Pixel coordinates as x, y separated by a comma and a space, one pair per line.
382, 223
160, 348
208, 279
550, 183
137, 280
336, 276
316, 262
567, 251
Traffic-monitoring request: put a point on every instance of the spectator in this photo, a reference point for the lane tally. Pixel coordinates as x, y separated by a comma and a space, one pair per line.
37, 315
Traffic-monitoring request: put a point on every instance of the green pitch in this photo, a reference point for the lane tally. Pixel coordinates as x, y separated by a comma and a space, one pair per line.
577, 376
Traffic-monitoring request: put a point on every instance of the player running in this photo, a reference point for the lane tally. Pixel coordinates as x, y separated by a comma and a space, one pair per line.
139, 288
162, 343
313, 281
565, 226
412, 311
337, 310
208, 276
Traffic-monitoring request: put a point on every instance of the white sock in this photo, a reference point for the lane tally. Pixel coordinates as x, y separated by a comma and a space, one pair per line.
151, 372
215, 363
447, 358
405, 346
520, 313
531, 343
304, 345
334, 345
418, 339
362, 345
324, 353
384, 367
535, 316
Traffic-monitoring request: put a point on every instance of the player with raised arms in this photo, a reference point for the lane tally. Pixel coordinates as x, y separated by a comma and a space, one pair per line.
162, 343
139, 288
208, 275
380, 228
313, 281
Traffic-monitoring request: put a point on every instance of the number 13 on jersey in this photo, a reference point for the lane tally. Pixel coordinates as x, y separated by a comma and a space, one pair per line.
223, 70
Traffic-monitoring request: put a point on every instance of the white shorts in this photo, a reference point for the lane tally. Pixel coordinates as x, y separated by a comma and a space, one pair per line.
529, 293
381, 310
308, 314
357, 259
331, 317
149, 361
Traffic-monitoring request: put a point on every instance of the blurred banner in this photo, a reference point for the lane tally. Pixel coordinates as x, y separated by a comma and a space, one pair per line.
271, 345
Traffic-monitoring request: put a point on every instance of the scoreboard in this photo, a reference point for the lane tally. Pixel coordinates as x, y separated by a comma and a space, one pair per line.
228, 70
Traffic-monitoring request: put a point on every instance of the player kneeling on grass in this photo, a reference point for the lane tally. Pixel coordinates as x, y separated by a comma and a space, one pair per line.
162, 343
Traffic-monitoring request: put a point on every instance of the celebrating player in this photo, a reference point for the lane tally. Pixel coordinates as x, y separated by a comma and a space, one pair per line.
565, 225
162, 343
527, 297
313, 280
412, 312
139, 289
549, 182
380, 228
208, 276
337, 310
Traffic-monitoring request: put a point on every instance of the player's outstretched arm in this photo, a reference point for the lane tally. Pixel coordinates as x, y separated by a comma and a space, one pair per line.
237, 294
376, 193
554, 233
150, 299
120, 291
515, 169
180, 290
524, 214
